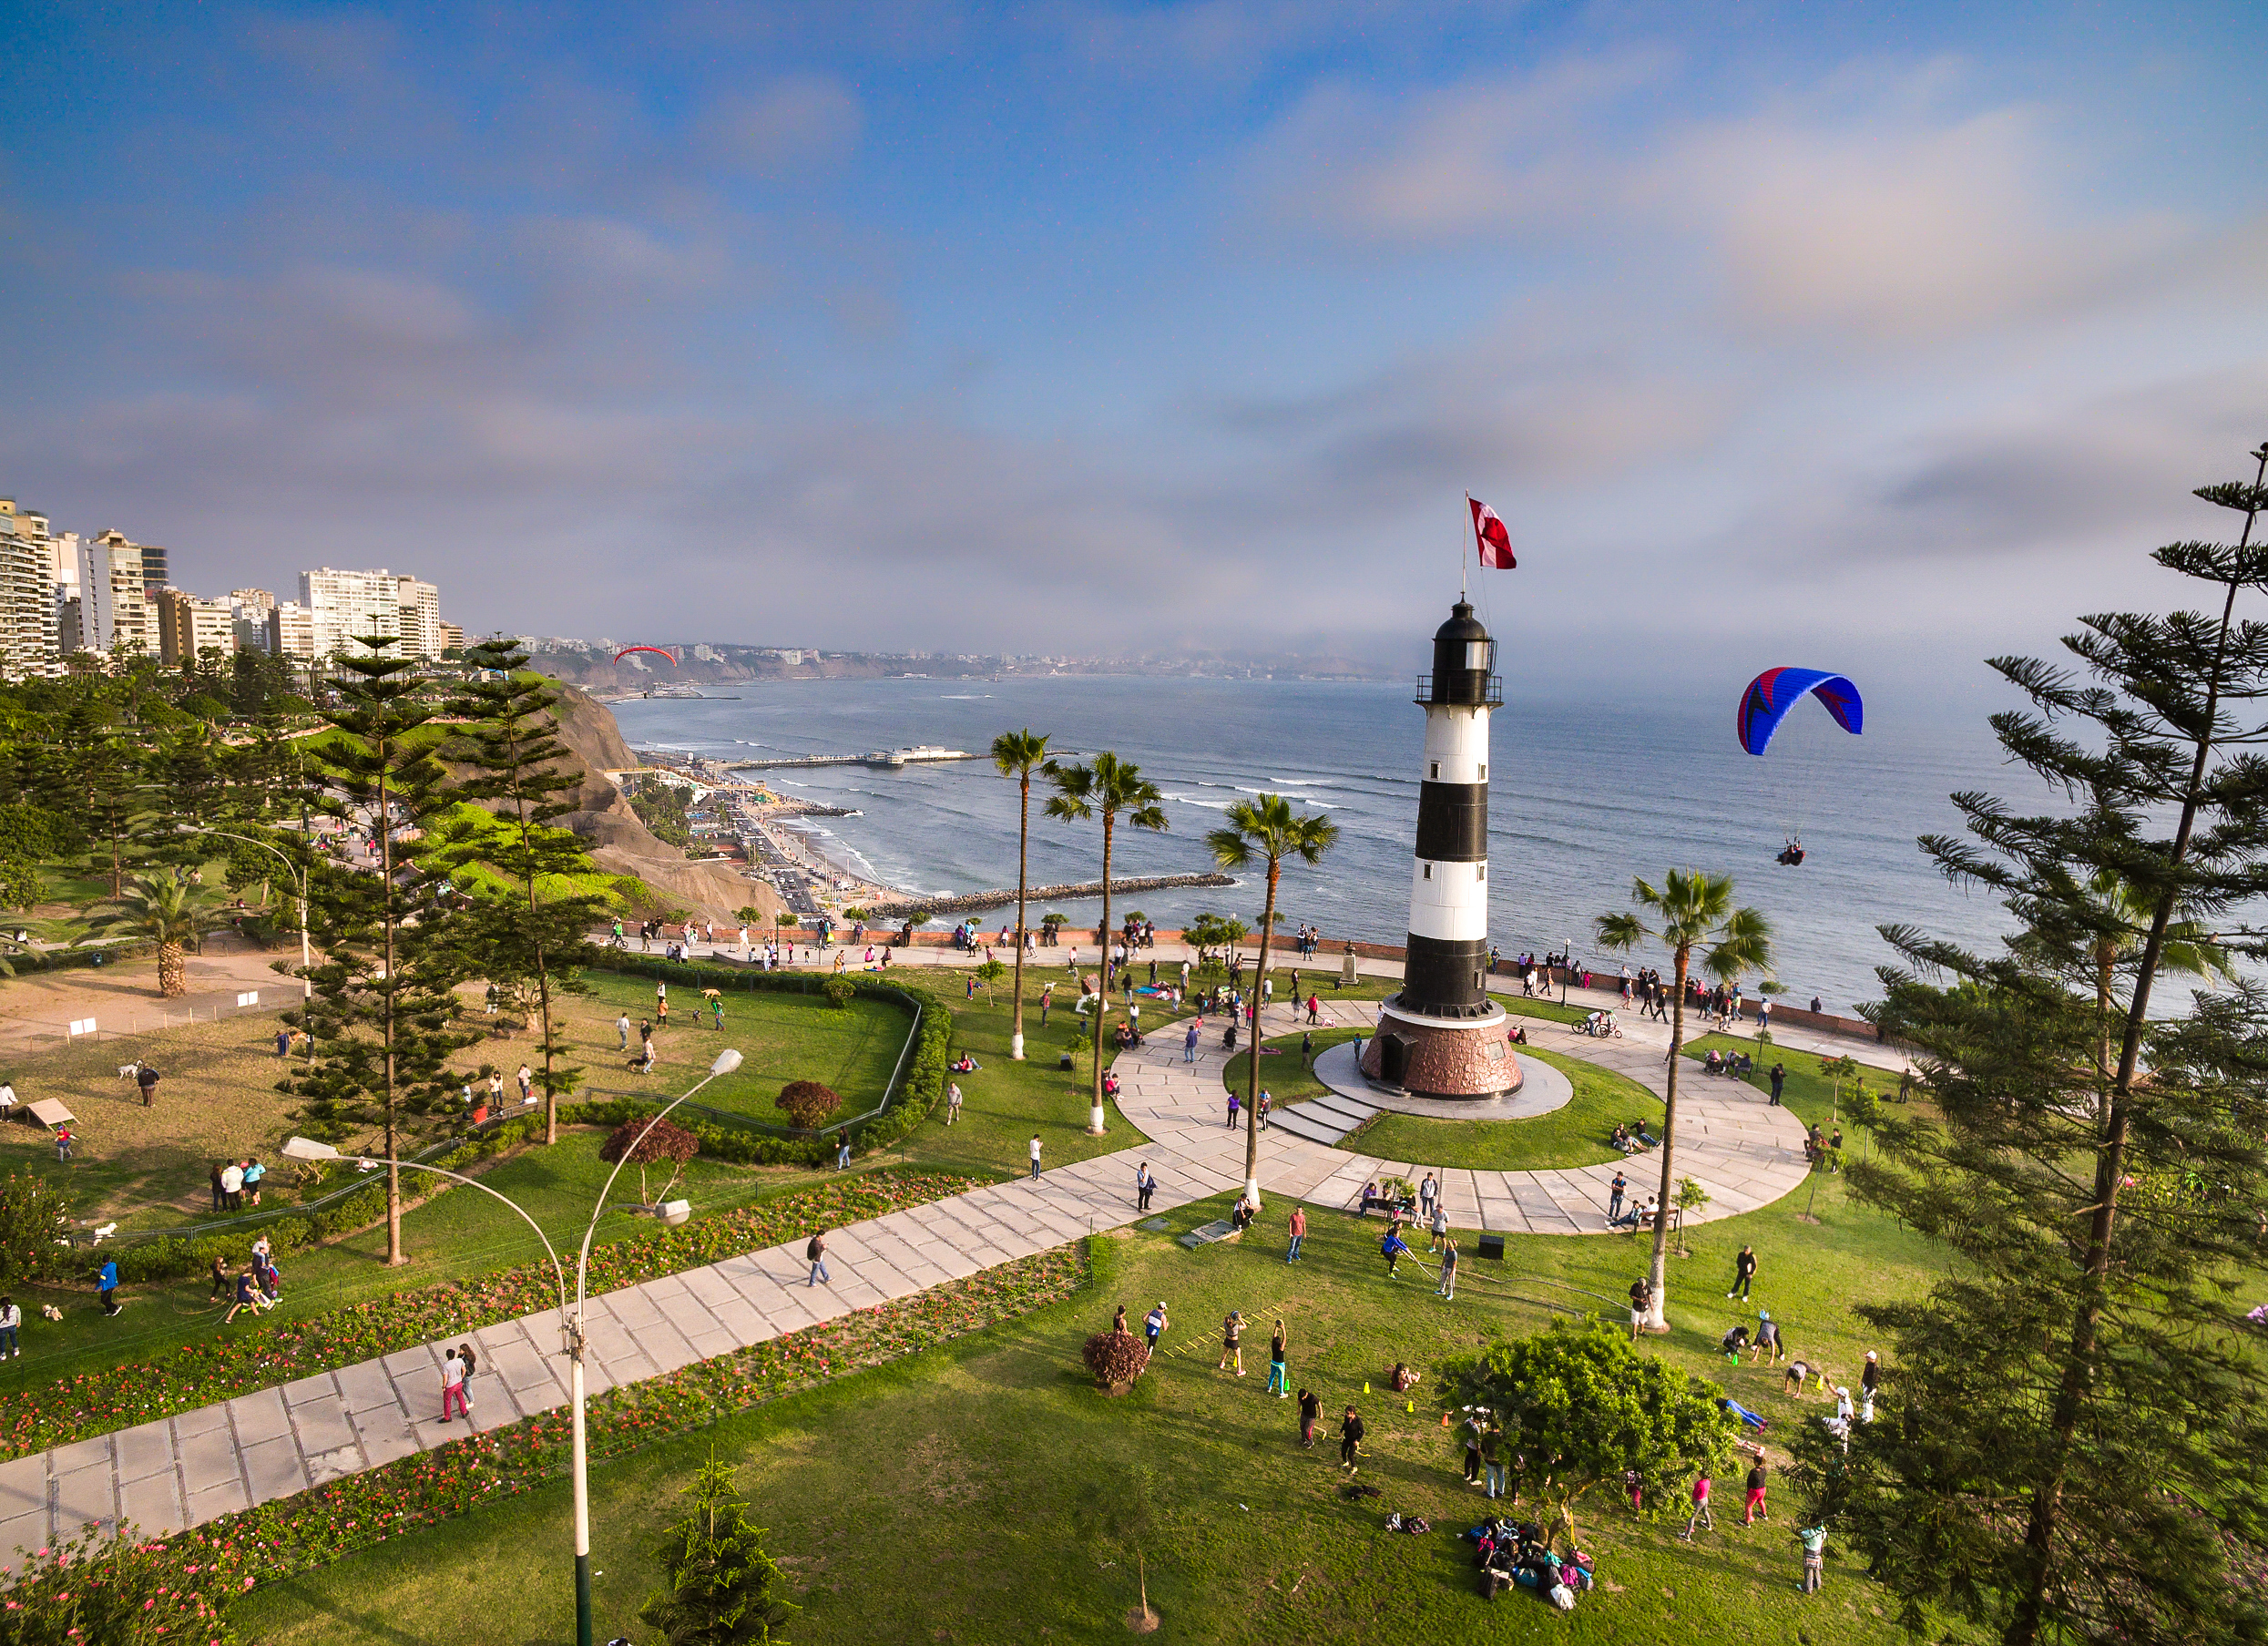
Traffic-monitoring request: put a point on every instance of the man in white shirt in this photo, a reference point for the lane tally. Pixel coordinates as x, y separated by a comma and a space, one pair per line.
232, 1186
453, 1387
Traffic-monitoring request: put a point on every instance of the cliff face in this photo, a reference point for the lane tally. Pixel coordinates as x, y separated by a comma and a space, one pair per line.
621, 844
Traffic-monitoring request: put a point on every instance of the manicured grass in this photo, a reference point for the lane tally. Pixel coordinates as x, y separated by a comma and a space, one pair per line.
1572, 1135
783, 1036
1285, 1077
939, 1499
453, 1236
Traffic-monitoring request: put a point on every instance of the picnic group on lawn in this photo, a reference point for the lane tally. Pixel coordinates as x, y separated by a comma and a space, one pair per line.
1510, 1553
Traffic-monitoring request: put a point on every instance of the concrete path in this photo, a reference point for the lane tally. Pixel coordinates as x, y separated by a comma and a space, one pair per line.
188, 1469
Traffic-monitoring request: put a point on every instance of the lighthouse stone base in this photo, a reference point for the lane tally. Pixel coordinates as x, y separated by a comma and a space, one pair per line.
1442, 1056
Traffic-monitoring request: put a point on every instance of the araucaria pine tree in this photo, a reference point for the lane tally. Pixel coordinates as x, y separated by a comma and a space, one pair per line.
384, 1014
530, 917
718, 1586
2075, 1440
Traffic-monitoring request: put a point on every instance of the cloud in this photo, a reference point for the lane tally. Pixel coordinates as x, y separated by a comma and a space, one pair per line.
791, 127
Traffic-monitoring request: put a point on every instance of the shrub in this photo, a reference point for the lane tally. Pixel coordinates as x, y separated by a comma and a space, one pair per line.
1117, 1359
648, 1143
838, 991
19, 884
808, 1103
34, 1219
719, 1587
36, 834
124, 1592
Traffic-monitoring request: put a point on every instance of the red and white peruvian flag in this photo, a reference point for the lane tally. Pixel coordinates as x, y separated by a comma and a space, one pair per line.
1490, 537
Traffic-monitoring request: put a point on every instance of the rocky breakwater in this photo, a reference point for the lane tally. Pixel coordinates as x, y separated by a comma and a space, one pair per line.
969, 901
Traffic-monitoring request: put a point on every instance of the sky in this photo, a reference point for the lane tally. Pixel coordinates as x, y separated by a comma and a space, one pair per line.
1865, 337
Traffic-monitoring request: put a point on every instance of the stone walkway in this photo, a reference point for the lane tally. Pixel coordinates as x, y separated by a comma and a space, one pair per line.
184, 1470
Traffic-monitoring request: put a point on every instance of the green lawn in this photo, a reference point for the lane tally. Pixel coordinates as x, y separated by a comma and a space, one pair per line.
1285, 1077
1808, 1094
454, 1236
1573, 1135
937, 1499
783, 1036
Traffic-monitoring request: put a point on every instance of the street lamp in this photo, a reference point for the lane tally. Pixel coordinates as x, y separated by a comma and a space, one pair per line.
1567, 965
669, 1213
307, 962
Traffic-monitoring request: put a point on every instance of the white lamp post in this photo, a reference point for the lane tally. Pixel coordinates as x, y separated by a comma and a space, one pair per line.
672, 1213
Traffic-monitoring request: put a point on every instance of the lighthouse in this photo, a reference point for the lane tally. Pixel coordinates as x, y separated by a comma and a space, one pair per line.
1442, 1037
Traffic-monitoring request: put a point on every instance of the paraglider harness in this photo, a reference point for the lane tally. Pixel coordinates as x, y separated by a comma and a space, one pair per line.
1790, 855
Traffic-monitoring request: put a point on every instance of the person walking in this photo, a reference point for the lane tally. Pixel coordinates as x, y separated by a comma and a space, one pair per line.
1778, 1078
1475, 1425
1615, 1191
1447, 1289
1266, 1103
106, 1283
1869, 1382
1757, 1511
1034, 1157
1232, 1341
1235, 1102
1349, 1442
1814, 1541
1641, 1301
219, 1290
1298, 1230
62, 1145
842, 1152
1310, 1411
815, 1254
1145, 1185
1492, 1459
453, 1387
1189, 1042
1154, 1324
527, 1078
1699, 1516
12, 1320
1279, 1379
147, 1079
953, 1102
1744, 1273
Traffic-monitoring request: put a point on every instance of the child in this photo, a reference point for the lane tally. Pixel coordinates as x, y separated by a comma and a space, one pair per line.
1814, 1541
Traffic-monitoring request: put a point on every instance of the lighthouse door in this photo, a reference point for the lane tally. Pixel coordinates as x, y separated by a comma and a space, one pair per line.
1394, 1058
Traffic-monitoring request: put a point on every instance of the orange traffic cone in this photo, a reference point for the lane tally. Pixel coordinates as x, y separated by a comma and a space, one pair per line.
1444, 1420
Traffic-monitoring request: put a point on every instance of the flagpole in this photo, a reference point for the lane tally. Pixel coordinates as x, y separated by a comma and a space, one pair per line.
1462, 586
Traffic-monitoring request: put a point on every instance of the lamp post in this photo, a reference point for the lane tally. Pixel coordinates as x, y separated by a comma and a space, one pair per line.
671, 1213
307, 962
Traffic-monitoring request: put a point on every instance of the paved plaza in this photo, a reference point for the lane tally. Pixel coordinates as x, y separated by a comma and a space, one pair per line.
269, 1444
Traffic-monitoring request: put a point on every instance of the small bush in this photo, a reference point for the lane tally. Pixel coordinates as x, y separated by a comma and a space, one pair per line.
33, 1217
666, 1141
808, 1103
1116, 1358
838, 991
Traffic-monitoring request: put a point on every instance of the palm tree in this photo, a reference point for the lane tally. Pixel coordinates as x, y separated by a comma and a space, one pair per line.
1111, 788
1017, 754
1266, 828
166, 907
1691, 911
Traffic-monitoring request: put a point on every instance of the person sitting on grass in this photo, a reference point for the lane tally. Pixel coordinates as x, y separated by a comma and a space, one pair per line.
247, 1296
1733, 1343
966, 1065
1404, 1377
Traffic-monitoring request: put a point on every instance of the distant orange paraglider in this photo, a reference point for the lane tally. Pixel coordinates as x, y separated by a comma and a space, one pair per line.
657, 651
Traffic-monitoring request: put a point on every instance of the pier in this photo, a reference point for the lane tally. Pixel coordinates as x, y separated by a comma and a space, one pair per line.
888, 759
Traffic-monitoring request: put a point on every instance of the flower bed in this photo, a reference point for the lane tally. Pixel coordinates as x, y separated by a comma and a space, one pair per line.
207, 1567
195, 1374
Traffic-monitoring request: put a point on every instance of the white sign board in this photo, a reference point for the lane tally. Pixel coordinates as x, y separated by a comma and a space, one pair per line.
82, 1025
252, 998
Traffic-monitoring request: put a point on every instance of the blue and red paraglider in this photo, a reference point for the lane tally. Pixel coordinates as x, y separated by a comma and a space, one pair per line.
1766, 703
657, 651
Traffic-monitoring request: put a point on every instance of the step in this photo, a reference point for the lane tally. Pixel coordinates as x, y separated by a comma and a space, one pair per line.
1342, 1110
1315, 1128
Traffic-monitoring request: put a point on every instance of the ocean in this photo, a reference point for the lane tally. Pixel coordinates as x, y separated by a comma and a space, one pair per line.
1583, 796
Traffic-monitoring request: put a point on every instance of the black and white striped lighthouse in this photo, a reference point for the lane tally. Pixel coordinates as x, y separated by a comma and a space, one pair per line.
1442, 1035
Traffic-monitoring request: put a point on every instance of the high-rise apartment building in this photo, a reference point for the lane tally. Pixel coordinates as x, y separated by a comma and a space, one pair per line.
155, 575
29, 639
116, 607
253, 600
348, 605
187, 627
452, 637
420, 605
291, 631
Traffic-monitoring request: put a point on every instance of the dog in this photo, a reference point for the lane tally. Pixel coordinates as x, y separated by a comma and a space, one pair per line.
49, 1312
127, 1071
